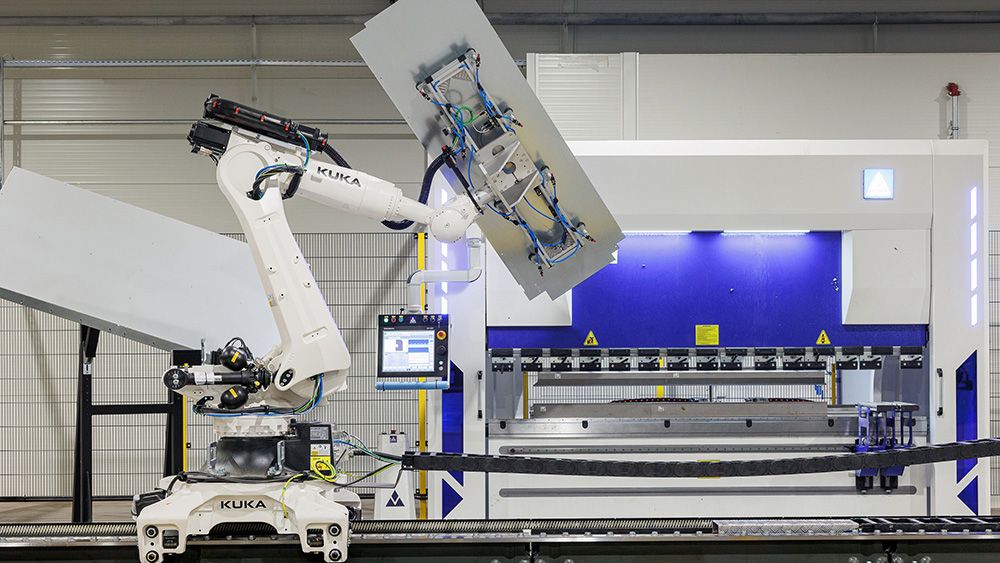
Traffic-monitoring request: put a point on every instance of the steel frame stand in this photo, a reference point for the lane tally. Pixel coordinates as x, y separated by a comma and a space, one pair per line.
86, 410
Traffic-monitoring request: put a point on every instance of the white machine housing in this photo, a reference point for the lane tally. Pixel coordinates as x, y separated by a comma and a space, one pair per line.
935, 226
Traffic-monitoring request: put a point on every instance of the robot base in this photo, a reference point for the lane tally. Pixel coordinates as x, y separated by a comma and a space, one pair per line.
317, 512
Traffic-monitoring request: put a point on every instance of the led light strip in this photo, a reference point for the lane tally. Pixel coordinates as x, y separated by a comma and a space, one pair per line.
973, 253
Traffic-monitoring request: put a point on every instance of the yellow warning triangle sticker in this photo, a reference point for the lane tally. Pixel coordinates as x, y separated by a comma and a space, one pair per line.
591, 340
823, 338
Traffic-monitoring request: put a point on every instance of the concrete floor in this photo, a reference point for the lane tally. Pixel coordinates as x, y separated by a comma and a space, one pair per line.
60, 511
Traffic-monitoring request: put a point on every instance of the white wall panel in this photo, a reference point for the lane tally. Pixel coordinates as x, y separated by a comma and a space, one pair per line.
815, 96
119, 42
583, 94
802, 96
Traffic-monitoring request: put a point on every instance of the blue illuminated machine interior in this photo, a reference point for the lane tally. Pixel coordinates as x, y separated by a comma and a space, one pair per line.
761, 289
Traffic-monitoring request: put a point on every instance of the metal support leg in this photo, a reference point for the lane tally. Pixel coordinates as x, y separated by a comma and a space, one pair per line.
83, 492
173, 445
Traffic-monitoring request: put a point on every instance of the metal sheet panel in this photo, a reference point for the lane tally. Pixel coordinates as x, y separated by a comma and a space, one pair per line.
125, 270
442, 39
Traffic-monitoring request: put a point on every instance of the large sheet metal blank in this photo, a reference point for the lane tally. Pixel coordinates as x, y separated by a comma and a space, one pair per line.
436, 32
125, 270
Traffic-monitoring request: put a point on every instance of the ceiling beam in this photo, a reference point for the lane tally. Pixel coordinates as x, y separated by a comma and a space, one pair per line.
546, 18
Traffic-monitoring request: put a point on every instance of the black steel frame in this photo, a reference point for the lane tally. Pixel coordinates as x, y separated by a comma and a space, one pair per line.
86, 410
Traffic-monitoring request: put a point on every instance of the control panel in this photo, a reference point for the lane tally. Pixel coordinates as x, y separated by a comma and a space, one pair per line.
413, 346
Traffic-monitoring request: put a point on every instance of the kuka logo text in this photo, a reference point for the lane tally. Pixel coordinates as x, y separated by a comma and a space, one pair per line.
242, 504
340, 177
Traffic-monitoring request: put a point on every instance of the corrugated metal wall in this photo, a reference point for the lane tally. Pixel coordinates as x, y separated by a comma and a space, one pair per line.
584, 94
361, 275
38, 371
38, 374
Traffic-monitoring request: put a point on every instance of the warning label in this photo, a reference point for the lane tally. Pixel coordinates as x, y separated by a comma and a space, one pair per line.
823, 339
706, 335
591, 340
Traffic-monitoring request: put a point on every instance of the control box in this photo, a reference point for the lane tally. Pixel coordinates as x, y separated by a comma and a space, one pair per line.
311, 448
413, 346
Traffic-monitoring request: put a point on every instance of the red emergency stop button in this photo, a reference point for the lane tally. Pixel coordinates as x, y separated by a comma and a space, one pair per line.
441, 335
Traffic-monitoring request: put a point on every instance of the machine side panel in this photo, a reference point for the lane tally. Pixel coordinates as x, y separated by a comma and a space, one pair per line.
125, 270
766, 185
886, 277
831, 494
959, 329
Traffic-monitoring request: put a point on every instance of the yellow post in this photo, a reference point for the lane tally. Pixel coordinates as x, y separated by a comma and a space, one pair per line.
422, 395
422, 446
660, 391
524, 400
833, 384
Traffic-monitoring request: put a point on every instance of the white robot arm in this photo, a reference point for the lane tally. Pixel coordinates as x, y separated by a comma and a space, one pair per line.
256, 172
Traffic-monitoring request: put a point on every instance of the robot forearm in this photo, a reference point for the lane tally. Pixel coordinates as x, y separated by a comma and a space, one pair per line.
362, 194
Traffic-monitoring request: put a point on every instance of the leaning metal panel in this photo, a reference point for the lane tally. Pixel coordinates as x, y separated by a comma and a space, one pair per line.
443, 39
127, 271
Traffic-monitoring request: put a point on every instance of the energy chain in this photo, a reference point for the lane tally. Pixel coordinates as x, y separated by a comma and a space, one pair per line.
920, 455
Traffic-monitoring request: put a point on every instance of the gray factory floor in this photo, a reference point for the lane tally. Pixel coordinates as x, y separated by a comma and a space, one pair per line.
59, 511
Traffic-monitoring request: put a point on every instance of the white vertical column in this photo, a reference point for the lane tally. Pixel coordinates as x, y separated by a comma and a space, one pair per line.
959, 325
